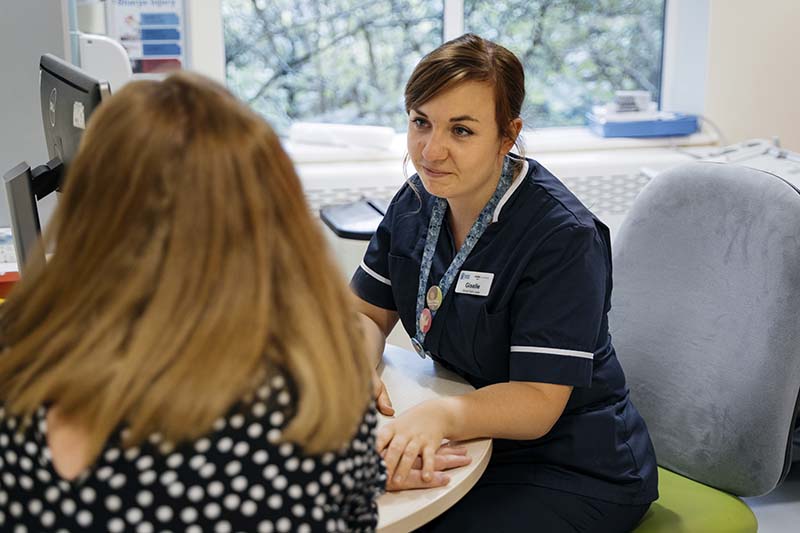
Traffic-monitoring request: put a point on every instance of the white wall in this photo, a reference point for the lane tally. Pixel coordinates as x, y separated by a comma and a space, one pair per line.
28, 29
753, 79
206, 43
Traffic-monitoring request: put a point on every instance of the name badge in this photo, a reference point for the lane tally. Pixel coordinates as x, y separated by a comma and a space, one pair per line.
477, 283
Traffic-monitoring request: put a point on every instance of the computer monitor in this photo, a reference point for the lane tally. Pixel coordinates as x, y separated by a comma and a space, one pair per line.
69, 96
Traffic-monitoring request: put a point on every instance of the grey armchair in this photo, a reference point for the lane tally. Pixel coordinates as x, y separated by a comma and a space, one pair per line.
706, 321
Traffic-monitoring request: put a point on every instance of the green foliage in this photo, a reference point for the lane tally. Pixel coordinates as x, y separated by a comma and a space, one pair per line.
348, 60
576, 53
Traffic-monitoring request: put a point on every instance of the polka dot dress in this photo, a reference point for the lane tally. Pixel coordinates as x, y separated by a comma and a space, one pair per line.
240, 477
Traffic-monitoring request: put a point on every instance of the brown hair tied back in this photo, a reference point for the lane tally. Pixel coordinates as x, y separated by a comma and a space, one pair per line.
471, 58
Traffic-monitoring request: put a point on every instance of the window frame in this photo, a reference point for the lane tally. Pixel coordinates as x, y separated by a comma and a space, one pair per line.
685, 56
453, 23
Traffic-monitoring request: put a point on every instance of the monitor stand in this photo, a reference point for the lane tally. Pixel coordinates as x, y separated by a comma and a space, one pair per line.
23, 188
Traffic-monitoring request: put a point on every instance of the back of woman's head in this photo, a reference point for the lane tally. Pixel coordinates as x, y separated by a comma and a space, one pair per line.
471, 58
186, 269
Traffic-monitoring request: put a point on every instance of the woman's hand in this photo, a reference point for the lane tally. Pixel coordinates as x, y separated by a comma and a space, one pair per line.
382, 400
447, 457
416, 433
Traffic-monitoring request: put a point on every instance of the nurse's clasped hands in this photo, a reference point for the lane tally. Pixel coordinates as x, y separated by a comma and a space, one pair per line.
389, 438
412, 448
447, 457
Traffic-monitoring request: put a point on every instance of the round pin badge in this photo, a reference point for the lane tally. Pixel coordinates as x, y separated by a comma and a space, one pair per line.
434, 297
425, 320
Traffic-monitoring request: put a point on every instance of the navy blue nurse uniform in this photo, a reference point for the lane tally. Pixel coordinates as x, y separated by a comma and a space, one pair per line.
543, 320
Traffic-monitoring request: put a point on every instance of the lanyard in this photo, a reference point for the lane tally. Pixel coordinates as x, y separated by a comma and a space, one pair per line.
434, 296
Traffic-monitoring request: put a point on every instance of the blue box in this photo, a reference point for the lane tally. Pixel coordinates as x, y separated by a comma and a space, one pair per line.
680, 125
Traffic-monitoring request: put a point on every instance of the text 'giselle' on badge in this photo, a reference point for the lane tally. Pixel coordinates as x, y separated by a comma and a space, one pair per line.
477, 283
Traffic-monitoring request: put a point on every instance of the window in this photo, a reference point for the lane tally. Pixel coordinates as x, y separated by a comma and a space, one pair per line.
347, 61
576, 53
342, 61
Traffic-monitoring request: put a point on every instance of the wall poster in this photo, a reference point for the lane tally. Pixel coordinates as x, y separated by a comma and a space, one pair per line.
152, 31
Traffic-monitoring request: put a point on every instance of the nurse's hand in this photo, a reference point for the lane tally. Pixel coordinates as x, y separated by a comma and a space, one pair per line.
416, 433
447, 457
381, 395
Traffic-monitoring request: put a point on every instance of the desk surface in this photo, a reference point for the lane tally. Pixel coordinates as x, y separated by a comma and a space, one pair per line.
411, 380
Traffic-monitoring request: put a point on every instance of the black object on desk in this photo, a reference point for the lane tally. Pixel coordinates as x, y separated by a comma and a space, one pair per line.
357, 220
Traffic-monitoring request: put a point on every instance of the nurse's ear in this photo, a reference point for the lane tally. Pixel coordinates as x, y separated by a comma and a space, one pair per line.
514, 129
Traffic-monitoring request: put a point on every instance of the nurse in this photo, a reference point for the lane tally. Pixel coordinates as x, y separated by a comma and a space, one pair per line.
499, 273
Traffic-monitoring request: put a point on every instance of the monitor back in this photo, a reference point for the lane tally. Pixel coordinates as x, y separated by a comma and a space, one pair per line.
68, 96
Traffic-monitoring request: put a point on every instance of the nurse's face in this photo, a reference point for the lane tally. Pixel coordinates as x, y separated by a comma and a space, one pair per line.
455, 146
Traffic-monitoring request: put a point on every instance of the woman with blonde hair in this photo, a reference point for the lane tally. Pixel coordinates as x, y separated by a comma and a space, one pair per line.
188, 356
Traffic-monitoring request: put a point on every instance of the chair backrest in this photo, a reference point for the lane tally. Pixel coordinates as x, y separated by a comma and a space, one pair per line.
706, 321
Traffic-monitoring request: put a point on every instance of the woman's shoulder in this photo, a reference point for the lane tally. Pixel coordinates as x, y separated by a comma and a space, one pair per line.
410, 198
263, 416
16, 430
240, 473
562, 207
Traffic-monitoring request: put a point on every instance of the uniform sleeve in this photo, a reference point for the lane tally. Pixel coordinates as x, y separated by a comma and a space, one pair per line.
371, 281
558, 309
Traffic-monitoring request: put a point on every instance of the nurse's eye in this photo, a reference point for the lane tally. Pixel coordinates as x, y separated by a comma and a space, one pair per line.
419, 122
461, 131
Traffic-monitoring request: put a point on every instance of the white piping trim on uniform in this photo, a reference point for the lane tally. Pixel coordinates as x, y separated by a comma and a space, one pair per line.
517, 182
368, 270
552, 351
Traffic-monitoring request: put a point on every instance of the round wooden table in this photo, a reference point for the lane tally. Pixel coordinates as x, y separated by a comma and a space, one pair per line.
411, 380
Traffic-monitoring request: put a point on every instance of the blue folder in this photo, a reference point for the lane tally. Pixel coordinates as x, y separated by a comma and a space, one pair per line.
680, 125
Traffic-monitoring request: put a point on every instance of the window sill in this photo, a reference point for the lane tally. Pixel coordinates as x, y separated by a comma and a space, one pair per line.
543, 141
548, 140
567, 152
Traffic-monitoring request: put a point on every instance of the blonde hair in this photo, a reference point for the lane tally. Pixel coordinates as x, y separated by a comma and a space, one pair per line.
186, 264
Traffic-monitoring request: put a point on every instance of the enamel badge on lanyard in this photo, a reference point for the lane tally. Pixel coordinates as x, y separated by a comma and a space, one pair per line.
434, 298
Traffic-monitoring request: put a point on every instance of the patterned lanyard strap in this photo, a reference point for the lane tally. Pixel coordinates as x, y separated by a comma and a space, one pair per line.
434, 296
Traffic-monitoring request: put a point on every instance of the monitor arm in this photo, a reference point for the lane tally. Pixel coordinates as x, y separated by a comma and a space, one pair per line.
47, 178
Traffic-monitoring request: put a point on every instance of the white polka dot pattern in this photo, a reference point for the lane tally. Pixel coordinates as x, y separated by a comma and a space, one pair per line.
239, 477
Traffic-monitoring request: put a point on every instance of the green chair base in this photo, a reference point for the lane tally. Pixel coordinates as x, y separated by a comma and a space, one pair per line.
685, 506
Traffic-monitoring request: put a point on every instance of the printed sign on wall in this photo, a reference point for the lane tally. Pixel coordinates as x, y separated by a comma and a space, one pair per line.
152, 31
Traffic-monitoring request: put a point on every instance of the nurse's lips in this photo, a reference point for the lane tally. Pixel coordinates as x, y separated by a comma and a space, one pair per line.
434, 173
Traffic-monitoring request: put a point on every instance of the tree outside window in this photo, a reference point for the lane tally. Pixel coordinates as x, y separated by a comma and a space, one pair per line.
347, 61
576, 53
